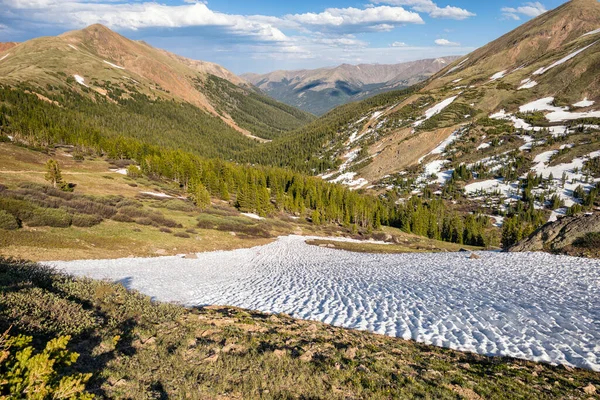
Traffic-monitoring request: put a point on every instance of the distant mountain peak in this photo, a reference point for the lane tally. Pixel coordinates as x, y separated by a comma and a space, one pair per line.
322, 89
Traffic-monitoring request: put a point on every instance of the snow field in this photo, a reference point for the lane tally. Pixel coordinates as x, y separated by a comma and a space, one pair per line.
533, 306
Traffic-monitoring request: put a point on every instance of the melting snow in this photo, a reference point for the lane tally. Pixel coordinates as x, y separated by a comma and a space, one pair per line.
557, 114
113, 65
498, 75
156, 194
527, 84
80, 80
584, 103
483, 146
591, 33
534, 306
348, 180
438, 108
451, 70
563, 60
252, 215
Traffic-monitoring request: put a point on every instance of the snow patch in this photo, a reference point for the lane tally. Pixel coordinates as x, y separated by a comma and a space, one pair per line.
584, 103
563, 60
498, 75
113, 65
252, 215
438, 108
80, 80
527, 84
591, 33
534, 306
557, 114
4, 56
157, 194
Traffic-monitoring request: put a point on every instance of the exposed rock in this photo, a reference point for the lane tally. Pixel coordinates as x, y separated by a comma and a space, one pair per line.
590, 389
474, 256
559, 234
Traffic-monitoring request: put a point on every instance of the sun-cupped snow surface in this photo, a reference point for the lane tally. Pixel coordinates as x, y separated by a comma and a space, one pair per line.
534, 306
113, 65
542, 71
438, 108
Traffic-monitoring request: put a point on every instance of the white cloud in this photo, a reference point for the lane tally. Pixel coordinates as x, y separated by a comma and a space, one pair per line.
369, 19
431, 8
398, 44
446, 42
531, 9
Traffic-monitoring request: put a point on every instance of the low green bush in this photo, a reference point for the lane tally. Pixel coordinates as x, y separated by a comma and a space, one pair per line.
8, 221
589, 241
56, 218
86, 221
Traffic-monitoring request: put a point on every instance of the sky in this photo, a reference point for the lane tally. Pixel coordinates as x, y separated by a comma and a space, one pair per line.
266, 35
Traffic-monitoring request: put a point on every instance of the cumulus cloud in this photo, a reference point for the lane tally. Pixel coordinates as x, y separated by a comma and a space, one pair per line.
446, 42
531, 9
431, 8
398, 44
370, 19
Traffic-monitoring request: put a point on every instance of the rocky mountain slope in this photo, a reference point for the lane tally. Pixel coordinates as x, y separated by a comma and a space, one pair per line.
96, 61
512, 129
5, 46
320, 90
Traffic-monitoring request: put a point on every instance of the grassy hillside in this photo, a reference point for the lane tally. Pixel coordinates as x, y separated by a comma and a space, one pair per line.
138, 349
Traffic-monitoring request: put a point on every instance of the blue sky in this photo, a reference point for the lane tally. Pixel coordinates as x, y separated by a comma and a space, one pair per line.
265, 35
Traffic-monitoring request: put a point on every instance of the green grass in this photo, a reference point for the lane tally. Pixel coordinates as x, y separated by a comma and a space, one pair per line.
138, 349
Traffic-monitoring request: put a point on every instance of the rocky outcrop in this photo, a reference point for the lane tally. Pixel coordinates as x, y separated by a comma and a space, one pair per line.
557, 235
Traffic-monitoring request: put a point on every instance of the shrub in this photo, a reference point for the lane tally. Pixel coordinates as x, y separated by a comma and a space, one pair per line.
589, 241
21, 209
8, 221
165, 230
181, 235
119, 217
37, 375
37, 311
56, 218
86, 221
144, 221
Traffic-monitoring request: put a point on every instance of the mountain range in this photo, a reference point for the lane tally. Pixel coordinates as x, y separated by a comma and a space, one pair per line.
320, 90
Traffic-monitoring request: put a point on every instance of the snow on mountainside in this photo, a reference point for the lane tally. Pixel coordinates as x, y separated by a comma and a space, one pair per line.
320, 90
525, 103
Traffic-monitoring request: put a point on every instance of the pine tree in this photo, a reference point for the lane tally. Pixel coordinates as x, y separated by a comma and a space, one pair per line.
53, 174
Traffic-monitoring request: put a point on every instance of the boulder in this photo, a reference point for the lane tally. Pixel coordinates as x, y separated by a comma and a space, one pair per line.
559, 234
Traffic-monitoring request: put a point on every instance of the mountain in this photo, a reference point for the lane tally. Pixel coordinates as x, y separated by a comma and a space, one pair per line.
320, 90
97, 61
5, 46
510, 130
